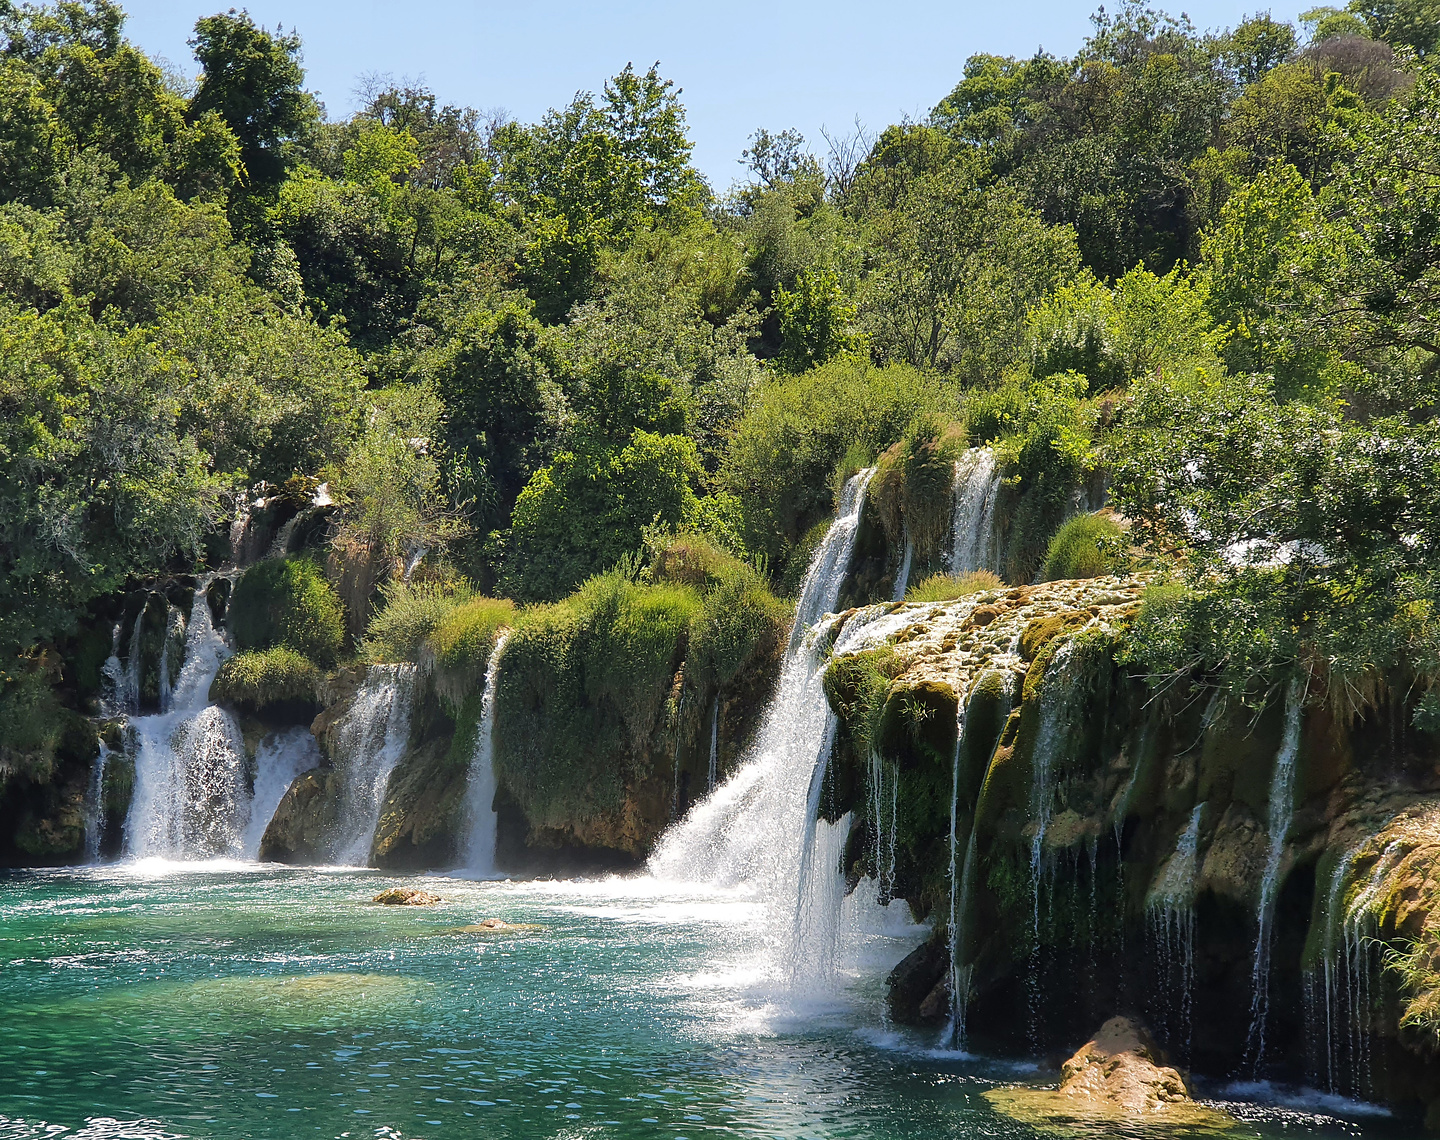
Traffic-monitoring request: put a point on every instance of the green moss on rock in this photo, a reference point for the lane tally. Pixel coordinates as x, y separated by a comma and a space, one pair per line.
288, 602
458, 650
259, 680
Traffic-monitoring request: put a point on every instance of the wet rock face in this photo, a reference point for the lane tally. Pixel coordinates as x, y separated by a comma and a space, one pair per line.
301, 828
1121, 835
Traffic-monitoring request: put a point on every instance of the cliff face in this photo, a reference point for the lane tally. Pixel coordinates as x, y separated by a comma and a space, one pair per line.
1115, 846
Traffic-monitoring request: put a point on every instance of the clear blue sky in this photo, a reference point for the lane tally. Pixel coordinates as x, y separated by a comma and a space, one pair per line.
742, 64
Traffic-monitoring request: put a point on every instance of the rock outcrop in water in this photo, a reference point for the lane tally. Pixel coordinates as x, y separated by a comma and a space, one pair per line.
1112, 846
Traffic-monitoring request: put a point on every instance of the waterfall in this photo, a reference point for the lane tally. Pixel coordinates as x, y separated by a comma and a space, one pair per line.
280, 757
1281, 809
830, 563
175, 631
93, 810
369, 741
192, 798
902, 577
972, 532
480, 790
1170, 907
1340, 998
758, 829
714, 745
1050, 740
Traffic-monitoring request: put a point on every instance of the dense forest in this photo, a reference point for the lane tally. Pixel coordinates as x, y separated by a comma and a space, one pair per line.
1197, 270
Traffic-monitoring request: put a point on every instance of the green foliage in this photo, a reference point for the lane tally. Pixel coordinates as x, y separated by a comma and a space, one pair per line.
287, 602
944, 588
1087, 546
409, 614
911, 488
583, 683
785, 450
458, 645
589, 508
266, 677
814, 321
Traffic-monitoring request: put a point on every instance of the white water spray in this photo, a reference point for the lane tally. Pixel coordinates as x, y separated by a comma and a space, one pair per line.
480, 791
369, 742
974, 544
192, 798
280, 757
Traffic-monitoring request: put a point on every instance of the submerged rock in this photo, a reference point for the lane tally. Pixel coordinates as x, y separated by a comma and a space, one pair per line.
406, 896
1119, 1075
496, 926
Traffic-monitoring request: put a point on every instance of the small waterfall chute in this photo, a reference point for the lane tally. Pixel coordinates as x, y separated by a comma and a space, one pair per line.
93, 808
1278, 816
902, 576
714, 770
279, 759
369, 742
1170, 909
192, 794
480, 791
973, 541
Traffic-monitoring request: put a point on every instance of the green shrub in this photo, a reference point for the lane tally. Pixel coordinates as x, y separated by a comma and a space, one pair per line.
943, 588
411, 611
582, 686
589, 508
787, 448
457, 650
289, 602
1086, 547
261, 677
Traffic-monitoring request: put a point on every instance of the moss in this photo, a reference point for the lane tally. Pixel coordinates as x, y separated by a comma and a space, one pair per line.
288, 602
1086, 547
918, 722
261, 680
457, 650
944, 588
1039, 632
581, 691
913, 483
856, 685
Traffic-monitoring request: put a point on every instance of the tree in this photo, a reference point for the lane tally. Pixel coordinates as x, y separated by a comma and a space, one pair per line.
814, 321
251, 78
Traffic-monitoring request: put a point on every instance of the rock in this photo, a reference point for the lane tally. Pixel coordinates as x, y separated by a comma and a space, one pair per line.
1122, 1065
406, 896
912, 983
496, 926
300, 829
1118, 1075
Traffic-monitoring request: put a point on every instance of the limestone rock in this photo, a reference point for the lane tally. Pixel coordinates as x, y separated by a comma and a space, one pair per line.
299, 831
406, 896
1118, 1076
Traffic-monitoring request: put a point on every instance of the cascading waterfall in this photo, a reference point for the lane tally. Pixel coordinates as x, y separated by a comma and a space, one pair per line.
977, 488
369, 742
279, 758
902, 577
1170, 908
1338, 991
758, 829
885, 816
192, 795
1281, 810
93, 810
480, 791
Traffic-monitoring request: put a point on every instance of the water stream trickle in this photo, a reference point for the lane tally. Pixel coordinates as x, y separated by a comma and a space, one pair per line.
369, 742
902, 577
93, 810
1170, 907
1279, 814
480, 791
714, 746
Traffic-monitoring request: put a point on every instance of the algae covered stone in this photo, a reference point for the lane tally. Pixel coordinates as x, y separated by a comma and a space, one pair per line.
406, 896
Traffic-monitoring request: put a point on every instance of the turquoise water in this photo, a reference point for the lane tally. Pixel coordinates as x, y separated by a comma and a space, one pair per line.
153, 1001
